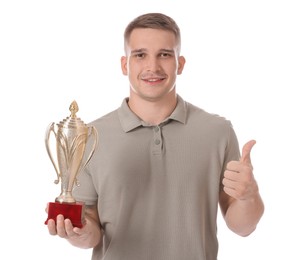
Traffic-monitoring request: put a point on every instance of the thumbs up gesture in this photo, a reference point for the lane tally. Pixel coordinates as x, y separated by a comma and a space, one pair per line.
239, 181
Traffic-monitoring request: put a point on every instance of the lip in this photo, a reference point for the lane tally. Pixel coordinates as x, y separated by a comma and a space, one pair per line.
153, 81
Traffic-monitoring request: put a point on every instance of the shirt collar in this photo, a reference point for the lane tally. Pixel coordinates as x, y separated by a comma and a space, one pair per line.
130, 121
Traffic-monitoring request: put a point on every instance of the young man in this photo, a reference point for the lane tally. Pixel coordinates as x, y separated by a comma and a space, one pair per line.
163, 166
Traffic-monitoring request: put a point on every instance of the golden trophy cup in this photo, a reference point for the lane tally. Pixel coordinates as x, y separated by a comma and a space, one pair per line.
71, 137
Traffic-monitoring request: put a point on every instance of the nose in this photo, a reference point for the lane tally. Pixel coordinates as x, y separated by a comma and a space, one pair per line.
153, 64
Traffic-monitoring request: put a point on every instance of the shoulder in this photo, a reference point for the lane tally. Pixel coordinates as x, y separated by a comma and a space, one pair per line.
204, 118
108, 120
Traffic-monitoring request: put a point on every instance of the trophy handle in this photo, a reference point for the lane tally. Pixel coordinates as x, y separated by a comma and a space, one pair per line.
95, 134
47, 136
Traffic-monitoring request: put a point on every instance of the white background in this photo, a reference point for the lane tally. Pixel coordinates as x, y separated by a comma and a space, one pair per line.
243, 62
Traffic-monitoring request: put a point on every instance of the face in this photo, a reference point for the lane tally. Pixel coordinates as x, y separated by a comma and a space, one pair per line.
152, 63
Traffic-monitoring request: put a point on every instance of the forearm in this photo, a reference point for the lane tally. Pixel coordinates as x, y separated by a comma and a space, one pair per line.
243, 216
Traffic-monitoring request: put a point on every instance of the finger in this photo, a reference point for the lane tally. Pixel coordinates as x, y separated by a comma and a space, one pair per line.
60, 226
246, 152
69, 228
51, 227
232, 173
231, 192
229, 183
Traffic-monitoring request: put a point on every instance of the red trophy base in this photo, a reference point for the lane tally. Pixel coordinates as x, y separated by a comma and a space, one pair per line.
74, 212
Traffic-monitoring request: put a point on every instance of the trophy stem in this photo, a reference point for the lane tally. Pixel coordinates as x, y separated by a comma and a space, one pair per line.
65, 197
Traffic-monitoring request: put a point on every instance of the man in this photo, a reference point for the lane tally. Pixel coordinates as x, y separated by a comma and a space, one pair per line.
163, 165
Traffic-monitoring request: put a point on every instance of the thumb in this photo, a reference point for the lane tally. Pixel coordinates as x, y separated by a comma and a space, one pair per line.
246, 152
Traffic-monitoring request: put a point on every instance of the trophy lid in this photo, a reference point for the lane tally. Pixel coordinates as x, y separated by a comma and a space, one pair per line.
72, 121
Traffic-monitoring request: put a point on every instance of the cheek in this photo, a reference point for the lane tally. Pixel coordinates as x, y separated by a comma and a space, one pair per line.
174, 71
133, 70
172, 68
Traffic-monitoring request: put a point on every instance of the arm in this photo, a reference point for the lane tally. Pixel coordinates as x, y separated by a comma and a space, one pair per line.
240, 201
89, 236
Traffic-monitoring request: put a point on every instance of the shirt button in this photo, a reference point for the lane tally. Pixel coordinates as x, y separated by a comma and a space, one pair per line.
157, 141
156, 129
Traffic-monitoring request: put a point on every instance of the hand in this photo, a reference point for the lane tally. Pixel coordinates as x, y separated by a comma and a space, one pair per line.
86, 237
239, 181
63, 227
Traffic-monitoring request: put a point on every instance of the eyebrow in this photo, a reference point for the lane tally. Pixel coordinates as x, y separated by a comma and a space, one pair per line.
138, 51
145, 50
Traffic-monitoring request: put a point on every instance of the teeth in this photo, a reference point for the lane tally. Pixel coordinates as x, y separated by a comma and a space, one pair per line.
152, 80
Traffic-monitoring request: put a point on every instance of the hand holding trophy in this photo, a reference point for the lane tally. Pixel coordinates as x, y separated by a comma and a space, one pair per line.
71, 137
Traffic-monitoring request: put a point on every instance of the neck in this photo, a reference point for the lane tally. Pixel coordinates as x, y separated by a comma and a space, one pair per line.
153, 112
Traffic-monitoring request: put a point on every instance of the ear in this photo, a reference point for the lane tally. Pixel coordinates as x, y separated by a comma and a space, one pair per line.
124, 66
181, 63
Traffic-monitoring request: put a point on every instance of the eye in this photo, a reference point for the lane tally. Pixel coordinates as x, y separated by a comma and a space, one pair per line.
139, 55
165, 55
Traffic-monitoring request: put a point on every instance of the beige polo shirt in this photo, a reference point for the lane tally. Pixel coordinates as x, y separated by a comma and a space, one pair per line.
157, 186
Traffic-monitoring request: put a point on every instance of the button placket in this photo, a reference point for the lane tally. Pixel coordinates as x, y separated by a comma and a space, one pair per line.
157, 141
